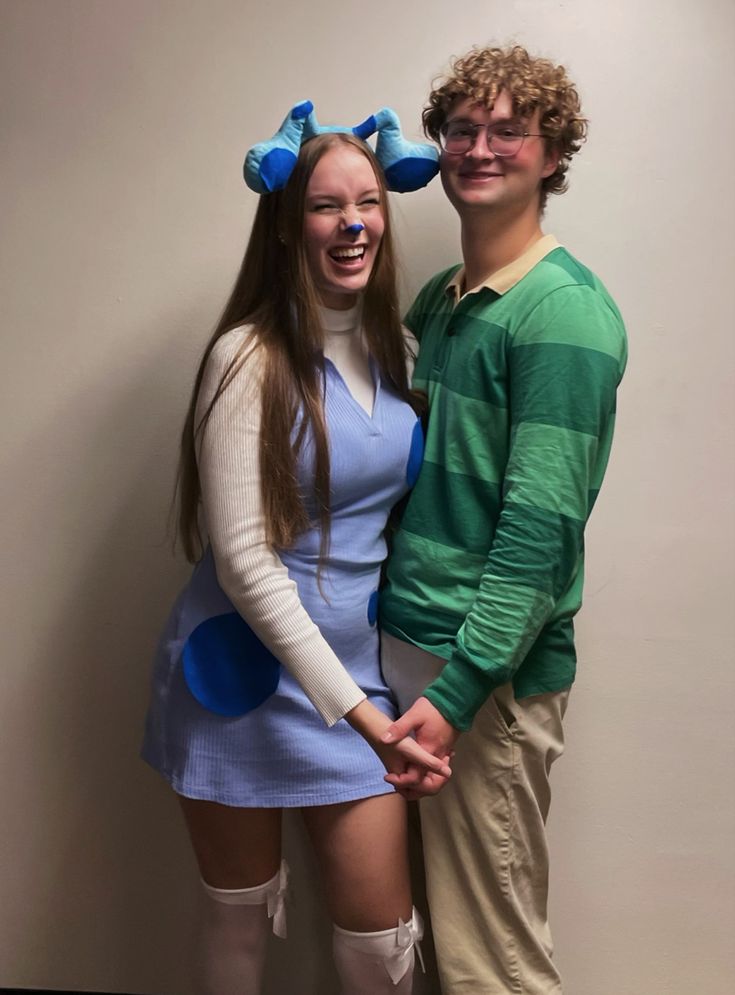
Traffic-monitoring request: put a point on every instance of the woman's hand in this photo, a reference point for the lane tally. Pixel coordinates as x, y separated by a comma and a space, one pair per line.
411, 768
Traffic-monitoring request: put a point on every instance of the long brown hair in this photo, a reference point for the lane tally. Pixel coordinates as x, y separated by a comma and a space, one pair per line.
274, 292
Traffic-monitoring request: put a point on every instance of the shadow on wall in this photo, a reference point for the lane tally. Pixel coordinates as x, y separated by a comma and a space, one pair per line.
117, 883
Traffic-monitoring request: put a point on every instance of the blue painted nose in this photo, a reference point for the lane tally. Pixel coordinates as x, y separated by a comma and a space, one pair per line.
355, 229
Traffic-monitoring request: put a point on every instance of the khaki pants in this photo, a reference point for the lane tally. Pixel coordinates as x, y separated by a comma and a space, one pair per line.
485, 846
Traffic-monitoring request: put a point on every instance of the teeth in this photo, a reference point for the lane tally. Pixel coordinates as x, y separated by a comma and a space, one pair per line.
351, 253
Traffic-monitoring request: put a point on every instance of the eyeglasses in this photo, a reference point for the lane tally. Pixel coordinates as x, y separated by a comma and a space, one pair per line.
503, 140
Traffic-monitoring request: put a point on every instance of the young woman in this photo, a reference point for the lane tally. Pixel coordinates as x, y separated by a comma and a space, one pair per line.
301, 436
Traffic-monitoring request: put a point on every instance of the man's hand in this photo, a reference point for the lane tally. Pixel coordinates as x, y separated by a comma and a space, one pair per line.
431, 729
408, 764
433, 733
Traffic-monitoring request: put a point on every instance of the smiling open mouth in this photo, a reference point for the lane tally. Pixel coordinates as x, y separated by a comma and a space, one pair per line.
354, 252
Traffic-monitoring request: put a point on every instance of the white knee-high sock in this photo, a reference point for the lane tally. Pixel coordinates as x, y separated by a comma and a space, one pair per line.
233, 935
378, 963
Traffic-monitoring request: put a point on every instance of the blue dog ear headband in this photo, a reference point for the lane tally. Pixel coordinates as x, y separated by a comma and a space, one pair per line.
407, 165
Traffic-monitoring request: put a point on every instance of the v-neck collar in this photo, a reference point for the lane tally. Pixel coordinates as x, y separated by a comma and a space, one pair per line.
371, 420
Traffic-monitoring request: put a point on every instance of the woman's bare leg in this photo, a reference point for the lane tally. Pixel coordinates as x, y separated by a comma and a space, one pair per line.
239, 855
362, 853
234, 847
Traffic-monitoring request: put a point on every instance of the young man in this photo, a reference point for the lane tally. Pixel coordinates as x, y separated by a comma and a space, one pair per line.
521, 353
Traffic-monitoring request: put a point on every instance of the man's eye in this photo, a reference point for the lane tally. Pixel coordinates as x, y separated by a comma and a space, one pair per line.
510, 133
460, 131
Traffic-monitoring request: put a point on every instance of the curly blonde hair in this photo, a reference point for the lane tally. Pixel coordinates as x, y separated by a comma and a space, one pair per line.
532, 83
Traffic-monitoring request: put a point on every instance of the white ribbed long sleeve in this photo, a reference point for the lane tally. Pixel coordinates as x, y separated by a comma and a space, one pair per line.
249, 572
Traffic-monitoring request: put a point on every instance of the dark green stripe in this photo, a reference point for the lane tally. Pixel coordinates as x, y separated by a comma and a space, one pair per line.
551, 662
469, 509
470, 362
563, 385
420, 318
430, 300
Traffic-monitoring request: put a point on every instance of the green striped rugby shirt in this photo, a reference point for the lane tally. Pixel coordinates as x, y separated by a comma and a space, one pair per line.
486, 568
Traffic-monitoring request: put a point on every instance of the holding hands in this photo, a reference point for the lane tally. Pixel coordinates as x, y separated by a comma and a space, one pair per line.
415, 749
413, 767
434, 735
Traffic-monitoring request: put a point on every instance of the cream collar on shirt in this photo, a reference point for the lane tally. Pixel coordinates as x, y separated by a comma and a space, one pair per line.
503, 279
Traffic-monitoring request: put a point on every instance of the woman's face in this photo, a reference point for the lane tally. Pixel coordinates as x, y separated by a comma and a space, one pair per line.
343, 225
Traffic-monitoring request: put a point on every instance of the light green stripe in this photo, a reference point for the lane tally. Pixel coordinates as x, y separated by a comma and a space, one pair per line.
507, 618
578, 316
603, 449
467, 436
431, 573
551, 468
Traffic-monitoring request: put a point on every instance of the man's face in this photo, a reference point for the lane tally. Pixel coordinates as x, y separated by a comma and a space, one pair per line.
479, 180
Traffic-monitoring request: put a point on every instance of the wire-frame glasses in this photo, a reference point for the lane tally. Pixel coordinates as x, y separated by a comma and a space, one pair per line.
504, 140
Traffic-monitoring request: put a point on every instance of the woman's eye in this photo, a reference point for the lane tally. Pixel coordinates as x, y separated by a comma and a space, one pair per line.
325, 208
370, 202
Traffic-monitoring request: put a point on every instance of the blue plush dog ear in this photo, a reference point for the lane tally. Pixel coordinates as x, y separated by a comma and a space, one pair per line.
269, 164
407, 165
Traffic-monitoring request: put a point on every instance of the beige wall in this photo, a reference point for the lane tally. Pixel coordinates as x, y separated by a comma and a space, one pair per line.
124, 123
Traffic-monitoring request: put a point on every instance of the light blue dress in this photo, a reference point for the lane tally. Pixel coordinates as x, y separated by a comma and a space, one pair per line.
281, 753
